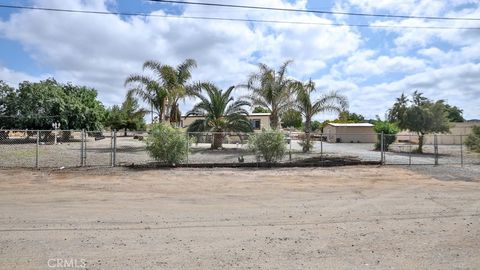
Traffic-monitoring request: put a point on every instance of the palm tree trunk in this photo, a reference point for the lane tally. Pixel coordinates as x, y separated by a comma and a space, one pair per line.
217, 140
274, 121
308, 127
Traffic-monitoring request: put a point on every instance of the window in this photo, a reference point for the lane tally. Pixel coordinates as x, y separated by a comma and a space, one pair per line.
256, 124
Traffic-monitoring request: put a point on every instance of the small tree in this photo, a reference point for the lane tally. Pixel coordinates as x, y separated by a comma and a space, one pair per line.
127, 117
421, 116
260, 109
271, 89
292, 118
348, 117
473, 140
326, 102
389, 131
269, 144
221, 112
167, 144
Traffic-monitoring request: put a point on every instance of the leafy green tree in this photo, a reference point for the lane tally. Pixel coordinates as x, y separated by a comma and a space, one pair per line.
328, 102
115, 118
38, 105
82, 108
166, 89
316, 125
7, 106
127, 117
348, 117
389, 131
272, 90
473, 140
222, 113
260, 109
420, 115
292, 118
454, 114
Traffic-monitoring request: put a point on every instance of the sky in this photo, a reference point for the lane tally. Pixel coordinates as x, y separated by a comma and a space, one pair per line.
370, 65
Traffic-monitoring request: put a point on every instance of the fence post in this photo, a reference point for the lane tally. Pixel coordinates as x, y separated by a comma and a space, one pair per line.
382, 156
410, 150
435, 148
82, 135
188, 145
111, 148
37, 149
461, 150
85, 147
114, 160
290, 145
321, 146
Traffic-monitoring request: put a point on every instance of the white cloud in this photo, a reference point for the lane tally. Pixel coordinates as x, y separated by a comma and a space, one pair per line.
457, 84
13, 78
367, 63
101, 51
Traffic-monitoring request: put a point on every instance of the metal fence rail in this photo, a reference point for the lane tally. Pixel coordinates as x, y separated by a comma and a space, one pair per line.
77, 148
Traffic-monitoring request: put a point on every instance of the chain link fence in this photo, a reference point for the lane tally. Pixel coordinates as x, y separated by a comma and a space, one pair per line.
76, 148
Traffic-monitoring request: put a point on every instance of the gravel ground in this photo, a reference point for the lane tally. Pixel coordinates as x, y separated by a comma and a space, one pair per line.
329, 218
449, 172
133, 151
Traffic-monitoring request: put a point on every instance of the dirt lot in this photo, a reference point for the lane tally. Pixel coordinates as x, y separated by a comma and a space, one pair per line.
322, 218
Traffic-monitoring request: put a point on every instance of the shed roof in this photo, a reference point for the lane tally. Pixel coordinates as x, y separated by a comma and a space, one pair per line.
351, 124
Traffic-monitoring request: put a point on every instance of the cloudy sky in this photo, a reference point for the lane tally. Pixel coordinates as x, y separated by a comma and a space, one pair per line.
371, 65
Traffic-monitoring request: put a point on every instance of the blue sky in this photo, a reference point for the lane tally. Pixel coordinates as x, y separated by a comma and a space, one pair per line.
372, 66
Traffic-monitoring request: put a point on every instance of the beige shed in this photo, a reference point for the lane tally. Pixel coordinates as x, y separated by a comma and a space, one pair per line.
350, 133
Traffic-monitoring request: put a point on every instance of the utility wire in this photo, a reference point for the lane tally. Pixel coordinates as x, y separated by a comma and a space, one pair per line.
315, 11
230, 19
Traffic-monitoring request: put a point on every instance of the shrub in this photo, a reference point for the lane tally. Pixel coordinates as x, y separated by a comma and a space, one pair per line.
306, 144
268, 144
473, 140
167, 144
389, 131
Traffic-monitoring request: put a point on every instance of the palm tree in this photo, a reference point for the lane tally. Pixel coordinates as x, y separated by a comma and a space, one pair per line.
166, 89
329, 102
222, 113
128, 116
272, 90
133, 113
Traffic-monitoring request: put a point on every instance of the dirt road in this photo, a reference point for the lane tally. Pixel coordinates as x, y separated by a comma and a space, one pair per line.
322, 218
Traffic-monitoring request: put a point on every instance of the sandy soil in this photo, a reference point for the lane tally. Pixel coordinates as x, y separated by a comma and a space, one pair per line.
322, 218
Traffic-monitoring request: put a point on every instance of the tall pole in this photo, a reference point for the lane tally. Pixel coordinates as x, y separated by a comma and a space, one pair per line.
82, 135
114, 147
188, 140
461, 150
321, 146
382, 156
290, 145
410, 149
111, 148
36, 149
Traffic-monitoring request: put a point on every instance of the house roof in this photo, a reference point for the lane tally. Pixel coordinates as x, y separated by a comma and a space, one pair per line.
350, 124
